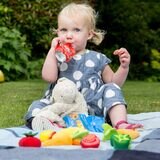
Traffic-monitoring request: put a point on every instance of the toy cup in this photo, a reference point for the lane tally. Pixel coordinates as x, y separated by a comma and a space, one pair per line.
64, 52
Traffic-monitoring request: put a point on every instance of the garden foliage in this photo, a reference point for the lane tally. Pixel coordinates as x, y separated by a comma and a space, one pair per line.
132, 24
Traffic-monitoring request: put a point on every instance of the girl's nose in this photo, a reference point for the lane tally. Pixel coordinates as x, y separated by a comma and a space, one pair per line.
69, 35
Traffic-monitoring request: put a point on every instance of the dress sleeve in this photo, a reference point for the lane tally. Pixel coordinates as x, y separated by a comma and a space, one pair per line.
103, 61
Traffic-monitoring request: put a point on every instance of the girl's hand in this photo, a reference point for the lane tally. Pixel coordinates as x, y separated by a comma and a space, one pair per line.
57, 40
124, 57
54, 42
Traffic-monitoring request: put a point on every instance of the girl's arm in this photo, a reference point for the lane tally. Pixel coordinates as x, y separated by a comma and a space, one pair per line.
120, 75
50, 68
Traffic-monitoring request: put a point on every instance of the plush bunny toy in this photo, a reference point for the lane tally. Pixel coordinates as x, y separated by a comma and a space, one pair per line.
67, 99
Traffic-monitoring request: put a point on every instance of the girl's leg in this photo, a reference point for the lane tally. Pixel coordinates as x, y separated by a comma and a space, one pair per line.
116, 107
118, 117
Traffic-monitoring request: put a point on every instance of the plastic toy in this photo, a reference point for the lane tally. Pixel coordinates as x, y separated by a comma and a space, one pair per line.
46, 135
120, 141
64, 52
1, 76
78, 136
30, 140
90, 122
73, 120
108, 131
132, 133
66, 136
90, 141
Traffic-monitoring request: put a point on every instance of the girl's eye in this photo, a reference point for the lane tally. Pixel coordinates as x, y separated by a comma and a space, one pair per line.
63, 30
77, 30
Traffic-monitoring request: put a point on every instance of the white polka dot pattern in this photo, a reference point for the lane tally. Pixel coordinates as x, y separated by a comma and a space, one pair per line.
89, 63
63, 67
77, 75
77, 57
110, 93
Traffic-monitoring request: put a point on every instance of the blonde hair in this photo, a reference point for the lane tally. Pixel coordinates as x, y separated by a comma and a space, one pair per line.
90, 16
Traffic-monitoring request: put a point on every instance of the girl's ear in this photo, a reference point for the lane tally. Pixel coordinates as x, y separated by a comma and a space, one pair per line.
90, 34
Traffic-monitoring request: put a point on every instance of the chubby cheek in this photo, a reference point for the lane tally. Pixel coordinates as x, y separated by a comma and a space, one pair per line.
78, 46
80, 43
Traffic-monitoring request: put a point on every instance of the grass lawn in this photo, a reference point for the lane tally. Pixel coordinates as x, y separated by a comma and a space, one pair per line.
15, 98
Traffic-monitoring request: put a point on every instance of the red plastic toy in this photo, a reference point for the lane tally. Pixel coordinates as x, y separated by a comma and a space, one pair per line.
30, 140
90, 141
64, 52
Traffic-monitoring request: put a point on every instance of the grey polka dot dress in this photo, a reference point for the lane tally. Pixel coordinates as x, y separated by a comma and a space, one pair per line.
85, 70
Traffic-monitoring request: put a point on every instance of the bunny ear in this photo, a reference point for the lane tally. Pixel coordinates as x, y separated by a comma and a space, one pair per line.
67, 80
62, 79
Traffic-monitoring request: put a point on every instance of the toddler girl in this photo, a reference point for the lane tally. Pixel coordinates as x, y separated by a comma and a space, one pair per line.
88, 69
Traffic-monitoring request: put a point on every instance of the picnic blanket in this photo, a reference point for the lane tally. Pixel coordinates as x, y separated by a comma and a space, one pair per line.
146, 146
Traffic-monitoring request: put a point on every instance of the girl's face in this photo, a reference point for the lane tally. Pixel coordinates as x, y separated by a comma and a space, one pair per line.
74, 30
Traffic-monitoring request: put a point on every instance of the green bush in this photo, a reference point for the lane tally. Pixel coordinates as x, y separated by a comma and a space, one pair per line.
36, 20
155, 59
5, 15
155, 66
14, 54
34, 68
